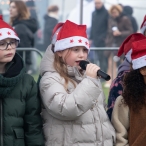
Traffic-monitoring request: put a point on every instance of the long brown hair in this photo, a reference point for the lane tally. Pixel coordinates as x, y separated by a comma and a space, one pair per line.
61, 67
23, 12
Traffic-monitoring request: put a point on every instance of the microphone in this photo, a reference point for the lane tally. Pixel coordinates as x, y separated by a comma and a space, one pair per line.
100, 73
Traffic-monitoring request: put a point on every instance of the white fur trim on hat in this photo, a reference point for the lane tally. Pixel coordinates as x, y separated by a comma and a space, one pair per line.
139, 62
116, 58
128, 55
71, 42
8, 33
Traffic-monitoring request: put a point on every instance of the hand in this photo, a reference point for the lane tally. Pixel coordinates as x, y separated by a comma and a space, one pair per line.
91, 70
116, 33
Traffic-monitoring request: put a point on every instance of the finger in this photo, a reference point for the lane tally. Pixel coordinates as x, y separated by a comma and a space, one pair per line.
93, 67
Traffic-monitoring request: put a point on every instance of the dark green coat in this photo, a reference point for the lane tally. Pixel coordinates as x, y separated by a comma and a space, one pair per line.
20, 121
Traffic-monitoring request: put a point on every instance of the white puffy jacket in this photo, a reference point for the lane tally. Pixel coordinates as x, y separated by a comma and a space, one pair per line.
75, 117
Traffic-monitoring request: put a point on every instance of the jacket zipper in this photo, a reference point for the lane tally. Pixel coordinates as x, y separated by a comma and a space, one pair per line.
1, 123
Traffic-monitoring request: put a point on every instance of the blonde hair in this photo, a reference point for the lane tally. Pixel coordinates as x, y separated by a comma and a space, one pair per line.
61, 67
117, 7
23, 12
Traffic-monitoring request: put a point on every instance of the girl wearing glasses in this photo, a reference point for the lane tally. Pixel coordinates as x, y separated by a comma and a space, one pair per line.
20, 121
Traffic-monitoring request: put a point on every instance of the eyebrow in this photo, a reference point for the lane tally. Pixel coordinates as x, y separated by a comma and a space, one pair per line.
6, 41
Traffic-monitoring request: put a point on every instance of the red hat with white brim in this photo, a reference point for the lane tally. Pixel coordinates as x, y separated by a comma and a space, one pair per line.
71, 35
126, 47
138, 54
6, 31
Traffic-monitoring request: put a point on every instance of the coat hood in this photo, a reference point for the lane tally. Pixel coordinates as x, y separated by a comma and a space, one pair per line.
125, 66
128, 10
47, 61
30, 23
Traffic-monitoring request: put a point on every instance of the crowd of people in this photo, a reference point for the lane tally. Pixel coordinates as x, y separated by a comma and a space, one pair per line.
109, 29
67, 106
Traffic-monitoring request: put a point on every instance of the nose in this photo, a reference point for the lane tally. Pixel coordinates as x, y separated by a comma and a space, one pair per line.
9, 47
81, 54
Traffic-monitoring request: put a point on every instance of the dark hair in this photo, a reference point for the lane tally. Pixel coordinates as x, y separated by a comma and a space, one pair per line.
53, 8
134, 92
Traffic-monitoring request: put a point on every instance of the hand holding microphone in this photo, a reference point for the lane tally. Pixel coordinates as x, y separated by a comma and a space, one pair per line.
93, 70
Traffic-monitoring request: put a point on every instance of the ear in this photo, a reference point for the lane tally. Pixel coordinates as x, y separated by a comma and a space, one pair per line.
59, 53
143, 71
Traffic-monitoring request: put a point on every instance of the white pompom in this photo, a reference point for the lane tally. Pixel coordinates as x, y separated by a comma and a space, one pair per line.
116, 58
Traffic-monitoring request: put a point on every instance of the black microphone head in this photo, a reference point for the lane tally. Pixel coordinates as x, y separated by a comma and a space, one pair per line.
83, 64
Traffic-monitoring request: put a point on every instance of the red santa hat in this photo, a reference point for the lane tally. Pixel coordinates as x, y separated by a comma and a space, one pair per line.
71, 35
126, 47
143, 25
6, 31
138, 54
55, 32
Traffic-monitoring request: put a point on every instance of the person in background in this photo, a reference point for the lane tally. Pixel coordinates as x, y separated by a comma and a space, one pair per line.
98, 32
119, 27
116, 88
20, 107
71, 96
128, 117
25, 27
143, 26
128, 11
51, 19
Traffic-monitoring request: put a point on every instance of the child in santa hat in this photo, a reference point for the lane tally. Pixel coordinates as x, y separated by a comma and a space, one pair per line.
20, 121
116, 87
74, 105
128, 117
143, 26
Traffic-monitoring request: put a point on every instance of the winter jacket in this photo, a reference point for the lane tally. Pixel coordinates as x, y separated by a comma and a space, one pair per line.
130, 125
99, 27
124, 25
128, 10
49, 25
76, 116
120, 120
20, 121
116, 87
26, 30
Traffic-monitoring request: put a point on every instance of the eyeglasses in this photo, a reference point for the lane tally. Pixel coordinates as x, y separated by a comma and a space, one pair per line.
4, 45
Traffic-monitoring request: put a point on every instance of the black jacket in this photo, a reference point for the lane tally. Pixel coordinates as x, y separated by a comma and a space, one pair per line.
49, 25
99, 27
25, 30
129, 11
